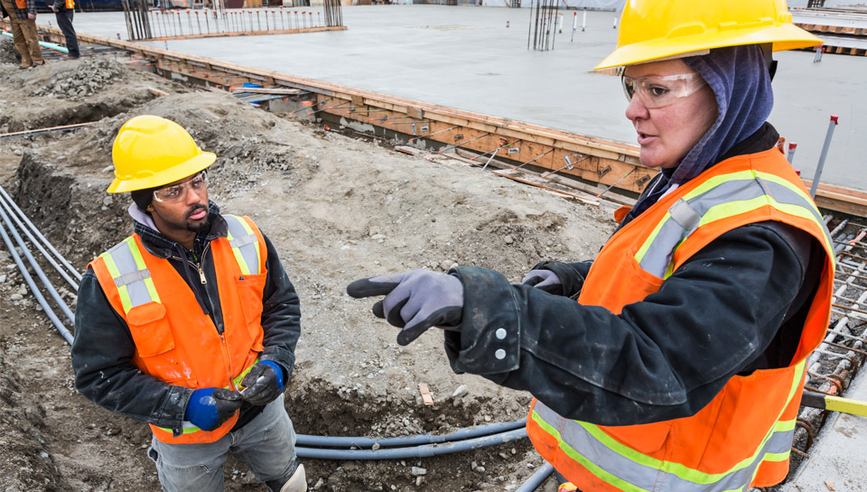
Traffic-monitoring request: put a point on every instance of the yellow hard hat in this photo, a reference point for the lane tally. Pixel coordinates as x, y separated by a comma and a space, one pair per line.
151, 151
655, 29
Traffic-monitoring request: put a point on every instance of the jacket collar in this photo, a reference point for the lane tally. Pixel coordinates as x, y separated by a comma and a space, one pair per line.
162, 247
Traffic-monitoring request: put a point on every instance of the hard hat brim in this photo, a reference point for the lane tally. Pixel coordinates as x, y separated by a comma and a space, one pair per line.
188, 168
783, 37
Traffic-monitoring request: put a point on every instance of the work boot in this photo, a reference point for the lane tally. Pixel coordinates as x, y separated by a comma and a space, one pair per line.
297, 482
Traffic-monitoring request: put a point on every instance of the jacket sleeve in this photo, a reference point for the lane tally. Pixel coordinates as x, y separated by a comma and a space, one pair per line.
662, 358
60, 5
31, 7
102, 353
571, 275
281, 315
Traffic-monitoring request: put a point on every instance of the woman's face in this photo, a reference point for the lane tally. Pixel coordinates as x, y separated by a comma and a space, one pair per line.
667, 133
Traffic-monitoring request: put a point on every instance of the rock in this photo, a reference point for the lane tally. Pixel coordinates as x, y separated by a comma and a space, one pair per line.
417, 471
319, 484
508, 240
460, 391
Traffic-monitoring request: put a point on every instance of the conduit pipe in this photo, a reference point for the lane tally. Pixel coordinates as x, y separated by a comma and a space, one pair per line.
44, 44
5, 203
367, 442
423, 451
24, 249
30, 283
536, 479
40, 236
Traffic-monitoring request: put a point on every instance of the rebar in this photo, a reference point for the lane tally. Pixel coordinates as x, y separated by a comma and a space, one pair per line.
543, 28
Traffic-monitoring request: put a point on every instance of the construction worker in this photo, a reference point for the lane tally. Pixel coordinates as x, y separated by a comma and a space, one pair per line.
189, 324
681, 365
64, 11
22, 16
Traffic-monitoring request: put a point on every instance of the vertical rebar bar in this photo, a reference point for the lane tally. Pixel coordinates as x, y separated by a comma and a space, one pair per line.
824, 154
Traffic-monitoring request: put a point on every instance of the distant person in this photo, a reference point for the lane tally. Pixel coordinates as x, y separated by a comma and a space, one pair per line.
63, 12
189, 324
24, 30
682, 364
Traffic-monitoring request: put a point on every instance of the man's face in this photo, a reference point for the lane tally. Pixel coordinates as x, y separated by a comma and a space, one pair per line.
182, 206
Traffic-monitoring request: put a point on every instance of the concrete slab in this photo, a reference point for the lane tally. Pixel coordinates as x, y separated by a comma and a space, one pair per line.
466, 58
838, 455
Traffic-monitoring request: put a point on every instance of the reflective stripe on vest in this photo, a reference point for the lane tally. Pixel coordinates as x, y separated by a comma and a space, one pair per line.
244, 244
70, 4
720, 197
632, 471
131, 276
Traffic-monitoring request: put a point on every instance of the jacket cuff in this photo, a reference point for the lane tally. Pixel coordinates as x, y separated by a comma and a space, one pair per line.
490, 335
171, 415
283, 358
570, 275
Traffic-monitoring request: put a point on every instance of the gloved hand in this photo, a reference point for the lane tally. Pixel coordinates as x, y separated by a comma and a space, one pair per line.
415, 301
209, 408
263, 384
545, 280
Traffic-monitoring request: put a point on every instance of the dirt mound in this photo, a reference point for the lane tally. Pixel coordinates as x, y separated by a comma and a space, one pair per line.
336, 209
89, 76
8, 53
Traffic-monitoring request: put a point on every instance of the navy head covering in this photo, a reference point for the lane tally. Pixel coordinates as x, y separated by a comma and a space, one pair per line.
741, 83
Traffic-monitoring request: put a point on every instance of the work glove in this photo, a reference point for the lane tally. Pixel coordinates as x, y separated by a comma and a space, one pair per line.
209, 408
414, 301
263, 384
545, 280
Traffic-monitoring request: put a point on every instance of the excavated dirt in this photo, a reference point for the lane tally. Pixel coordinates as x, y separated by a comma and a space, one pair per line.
337, 209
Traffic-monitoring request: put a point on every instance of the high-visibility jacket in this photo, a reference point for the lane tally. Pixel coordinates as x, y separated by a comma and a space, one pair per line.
175, 341
743, 437
70, 4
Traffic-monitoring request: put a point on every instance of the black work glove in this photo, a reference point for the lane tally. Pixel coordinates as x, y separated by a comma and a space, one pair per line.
209, 408
263, 384
545, 280
414, 301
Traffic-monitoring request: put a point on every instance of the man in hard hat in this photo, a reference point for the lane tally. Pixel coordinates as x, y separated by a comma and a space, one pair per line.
190, 324
682, 364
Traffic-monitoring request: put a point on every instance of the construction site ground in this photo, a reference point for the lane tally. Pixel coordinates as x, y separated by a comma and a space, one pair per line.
336, 208
466, 58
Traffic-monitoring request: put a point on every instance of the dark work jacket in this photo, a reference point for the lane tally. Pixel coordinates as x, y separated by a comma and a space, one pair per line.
749, 290
103, 347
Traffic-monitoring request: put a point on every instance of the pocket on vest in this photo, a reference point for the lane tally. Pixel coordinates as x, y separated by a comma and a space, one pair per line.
646, 438
250, 292
150, 329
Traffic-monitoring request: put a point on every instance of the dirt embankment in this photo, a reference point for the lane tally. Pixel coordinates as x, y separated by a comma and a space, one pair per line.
337, 209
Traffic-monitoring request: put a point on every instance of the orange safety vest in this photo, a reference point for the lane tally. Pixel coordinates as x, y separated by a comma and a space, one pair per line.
70, 4
19, 4
743, 437
175, 342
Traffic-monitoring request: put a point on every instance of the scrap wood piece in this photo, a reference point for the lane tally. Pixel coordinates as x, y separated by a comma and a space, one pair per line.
157, 92
830, 485
506, 174
268, 90
425, 394
46, 130
408, 150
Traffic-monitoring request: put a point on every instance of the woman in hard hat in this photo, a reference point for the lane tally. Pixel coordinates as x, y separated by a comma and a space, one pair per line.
681, 366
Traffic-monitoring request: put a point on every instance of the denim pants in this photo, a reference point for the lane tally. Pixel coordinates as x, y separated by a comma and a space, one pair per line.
266, 444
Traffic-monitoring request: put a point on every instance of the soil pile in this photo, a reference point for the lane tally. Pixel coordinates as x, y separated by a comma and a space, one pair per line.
8, 53
337, 209
87, 77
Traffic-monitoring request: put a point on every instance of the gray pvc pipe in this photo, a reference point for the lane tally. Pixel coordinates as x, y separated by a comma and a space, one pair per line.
39, 273
367, 442
5, 203
39, 234
425, 451
30, 283
536, 479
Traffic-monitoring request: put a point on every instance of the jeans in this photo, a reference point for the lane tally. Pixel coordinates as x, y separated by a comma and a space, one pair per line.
266, 444
64, 22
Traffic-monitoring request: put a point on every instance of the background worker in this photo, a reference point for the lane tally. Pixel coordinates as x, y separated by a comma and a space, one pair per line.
22, 16
64, 10
681, 365
190, 324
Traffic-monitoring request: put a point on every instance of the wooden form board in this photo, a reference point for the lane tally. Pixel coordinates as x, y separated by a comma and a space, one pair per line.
247, 33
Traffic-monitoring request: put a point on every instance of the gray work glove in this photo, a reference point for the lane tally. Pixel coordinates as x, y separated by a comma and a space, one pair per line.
414, 301
545, 280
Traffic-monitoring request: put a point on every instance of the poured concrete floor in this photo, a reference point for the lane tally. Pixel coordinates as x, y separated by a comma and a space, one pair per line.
466, 58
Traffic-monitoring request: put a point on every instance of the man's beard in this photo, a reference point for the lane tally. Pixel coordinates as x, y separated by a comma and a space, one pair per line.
204, 226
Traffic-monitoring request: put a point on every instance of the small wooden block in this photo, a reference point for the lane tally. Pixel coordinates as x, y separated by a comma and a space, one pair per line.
830, 485
425, 394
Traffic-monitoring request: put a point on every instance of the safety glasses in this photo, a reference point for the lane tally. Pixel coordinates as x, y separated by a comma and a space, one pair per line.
657, 91
177, 191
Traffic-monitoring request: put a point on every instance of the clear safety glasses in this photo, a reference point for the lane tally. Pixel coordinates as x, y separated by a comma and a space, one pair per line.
177, 191
657, 91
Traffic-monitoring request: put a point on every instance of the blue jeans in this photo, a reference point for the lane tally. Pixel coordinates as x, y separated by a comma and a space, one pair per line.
266, 444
